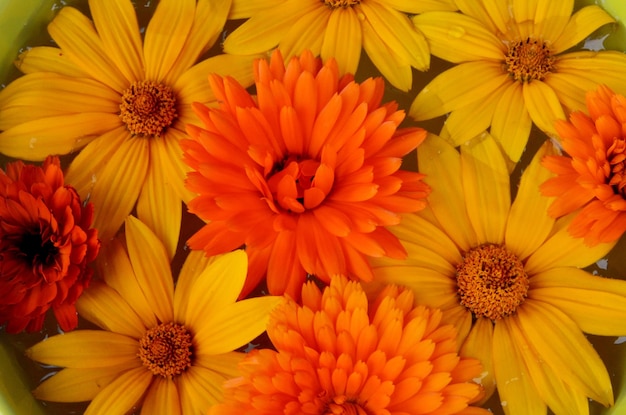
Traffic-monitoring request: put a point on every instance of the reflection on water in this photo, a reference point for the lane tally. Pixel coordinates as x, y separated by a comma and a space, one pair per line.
614, 265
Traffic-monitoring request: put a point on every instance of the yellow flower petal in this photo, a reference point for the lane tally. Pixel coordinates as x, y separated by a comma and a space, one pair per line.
456, 37
493, 14
398, 33
158, 205
551, 18
77, 385
242, 9
48, 59
486, 184
511, 122
559, 342
343, 24
224, 364
216, 287
162, 396
265, 29
421, 6
195, 264
562, 250
442, 165
199, 388
464, 84
77, 37
83, 349
118, 184
120, 395
543, 105
596, 304
166, 36
582, 23
571, 98
515, 387
479, 344
208, 23
308, 33
115, 268
116, 23
35, 140
151, 266
105, 307
234, 325
529, 224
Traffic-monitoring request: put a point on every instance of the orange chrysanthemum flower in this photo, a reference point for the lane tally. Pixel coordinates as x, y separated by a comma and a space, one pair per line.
339, 354
592, 175
45, 245
306, 175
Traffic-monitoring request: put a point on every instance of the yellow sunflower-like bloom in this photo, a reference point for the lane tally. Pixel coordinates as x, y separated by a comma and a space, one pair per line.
337, 353
338, 29
508, 276
165, 350
124, 99
513, 67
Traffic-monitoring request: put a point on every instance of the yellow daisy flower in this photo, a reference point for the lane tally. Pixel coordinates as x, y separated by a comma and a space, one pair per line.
514, 67
166, 350
124, 99
339, 29
508, 276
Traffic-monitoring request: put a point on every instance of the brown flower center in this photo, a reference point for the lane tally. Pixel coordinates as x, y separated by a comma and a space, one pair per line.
616, 156
166, 349
491, 281
529, 59
148, 108
335, 4
340, 405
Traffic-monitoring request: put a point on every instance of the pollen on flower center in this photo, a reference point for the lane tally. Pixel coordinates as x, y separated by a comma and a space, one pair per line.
491, 281
148, 108
341, 406
335, 4
616, 156
166, 349
529, 59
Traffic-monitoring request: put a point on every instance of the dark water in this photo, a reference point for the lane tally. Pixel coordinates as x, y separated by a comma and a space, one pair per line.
612, 350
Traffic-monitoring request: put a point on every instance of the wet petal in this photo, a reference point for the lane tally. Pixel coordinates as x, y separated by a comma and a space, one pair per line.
582, 23
162, 395
343, 22
511, 122
479, 344
543, 105
120, 395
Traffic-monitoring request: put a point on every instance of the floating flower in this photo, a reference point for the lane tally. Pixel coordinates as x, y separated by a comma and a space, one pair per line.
45, 245
306, 175
124, 102
508, 276
168, 351
338, 29
513, 68
339, 354
592, 175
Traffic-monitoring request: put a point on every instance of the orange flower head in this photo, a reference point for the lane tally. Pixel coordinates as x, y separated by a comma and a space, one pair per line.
45, 245
592, 175
339, 353
306, 175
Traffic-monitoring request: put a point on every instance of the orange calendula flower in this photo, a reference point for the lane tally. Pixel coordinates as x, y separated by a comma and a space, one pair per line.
121, 95
591, 177
45, 245
164, 349
306, 175
337, 353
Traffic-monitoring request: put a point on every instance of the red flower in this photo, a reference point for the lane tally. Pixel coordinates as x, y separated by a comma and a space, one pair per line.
306, 174
45, 245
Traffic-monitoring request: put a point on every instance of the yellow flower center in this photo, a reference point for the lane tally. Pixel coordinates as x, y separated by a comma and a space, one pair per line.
335, 4
529, 59
340, 405
491, 281
148, 108
616, 156
166, 349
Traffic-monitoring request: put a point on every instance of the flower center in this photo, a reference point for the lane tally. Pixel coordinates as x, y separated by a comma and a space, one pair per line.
529, 59
616, 156
341, 406
491, 281
148, 108
38, 251
166, 349
335, 4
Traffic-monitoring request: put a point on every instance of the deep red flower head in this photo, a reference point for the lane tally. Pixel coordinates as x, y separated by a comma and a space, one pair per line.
306, 175
45, 245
